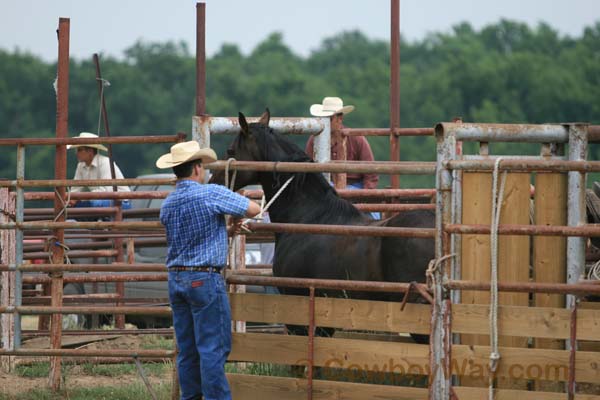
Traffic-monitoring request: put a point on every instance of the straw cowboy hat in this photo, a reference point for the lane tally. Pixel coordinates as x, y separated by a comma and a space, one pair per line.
330, 106
87, 135
184, 152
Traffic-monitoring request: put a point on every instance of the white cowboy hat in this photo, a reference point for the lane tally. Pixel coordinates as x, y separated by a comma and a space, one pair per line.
184, 152
330, 106
87, 135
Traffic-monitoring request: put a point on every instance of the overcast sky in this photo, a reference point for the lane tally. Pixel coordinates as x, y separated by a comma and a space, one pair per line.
110, 26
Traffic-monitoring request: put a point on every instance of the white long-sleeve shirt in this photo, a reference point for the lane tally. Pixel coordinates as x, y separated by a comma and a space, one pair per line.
98, 169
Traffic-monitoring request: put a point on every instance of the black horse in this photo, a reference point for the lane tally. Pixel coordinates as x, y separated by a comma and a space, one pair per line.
310, 199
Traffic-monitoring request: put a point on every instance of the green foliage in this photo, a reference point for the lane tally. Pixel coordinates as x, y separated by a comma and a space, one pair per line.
506, 72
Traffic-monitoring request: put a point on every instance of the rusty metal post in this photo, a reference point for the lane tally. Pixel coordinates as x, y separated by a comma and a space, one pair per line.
572, 351
7, 278
338, 142
239, 264
311, 343
120, 258
19, 216
174, 375
118, 242
322, 145
60, 172
201, 122
456, 241
200, 59
576, 213
439, 387
395, 87
101, 86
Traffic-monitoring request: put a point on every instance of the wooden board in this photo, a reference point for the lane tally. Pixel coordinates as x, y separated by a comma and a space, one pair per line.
252, 387
255, 387
589, 305
330, 312
386, 317
550, 253
538, 322
467, 361
514, 250
475, 249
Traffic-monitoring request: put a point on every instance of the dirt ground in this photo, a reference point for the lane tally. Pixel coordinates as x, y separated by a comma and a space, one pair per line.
12, 384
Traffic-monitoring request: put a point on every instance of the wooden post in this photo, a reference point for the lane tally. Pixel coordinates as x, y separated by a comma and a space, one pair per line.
7, 278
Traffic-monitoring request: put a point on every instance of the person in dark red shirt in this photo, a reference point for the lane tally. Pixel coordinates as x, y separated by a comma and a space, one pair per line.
357, 147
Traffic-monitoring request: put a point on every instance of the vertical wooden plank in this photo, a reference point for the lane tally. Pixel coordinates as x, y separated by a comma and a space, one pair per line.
513, 251
549, 253
7, 279
475, 252
514, 256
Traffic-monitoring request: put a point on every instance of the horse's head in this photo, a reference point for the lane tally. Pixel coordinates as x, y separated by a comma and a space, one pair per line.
245, 147
257, 142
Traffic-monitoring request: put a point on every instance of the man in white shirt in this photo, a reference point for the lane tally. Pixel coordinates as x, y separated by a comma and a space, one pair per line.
95, 166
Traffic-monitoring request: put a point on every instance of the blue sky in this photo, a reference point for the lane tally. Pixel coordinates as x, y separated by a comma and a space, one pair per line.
110, 26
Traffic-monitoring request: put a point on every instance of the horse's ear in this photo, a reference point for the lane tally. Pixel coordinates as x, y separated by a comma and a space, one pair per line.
265, 117
243, 124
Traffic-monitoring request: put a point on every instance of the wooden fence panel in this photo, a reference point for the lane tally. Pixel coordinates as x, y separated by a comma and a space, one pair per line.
330, 312
402, 358
255, 387
538, 322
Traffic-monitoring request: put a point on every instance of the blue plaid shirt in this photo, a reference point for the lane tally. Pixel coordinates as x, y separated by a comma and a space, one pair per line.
193, 218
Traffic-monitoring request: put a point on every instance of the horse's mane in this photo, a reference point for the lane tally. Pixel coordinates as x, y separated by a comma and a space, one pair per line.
277, 148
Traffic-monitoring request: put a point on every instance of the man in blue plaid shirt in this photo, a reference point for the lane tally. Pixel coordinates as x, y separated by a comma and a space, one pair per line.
193, 216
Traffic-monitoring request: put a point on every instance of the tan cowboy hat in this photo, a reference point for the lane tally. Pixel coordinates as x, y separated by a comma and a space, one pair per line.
330, 106
184, 152
87, 135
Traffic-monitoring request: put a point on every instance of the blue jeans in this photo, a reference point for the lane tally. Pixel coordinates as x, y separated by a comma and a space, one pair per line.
202, 322
359, 185
125, 204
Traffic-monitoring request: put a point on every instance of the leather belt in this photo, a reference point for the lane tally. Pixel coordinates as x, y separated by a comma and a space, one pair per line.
200, 268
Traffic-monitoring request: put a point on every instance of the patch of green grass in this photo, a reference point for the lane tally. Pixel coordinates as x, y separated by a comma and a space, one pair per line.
116, 370
129, 392
267, 369
153, 342
38, 370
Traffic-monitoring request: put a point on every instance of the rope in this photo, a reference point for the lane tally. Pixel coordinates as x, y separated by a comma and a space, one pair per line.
227, 166
138, 364
54, 241
105, 83
594, 272
65, 205
433, 266
281, 189
496, 207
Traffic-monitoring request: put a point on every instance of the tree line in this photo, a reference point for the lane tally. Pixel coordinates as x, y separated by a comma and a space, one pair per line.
507, 72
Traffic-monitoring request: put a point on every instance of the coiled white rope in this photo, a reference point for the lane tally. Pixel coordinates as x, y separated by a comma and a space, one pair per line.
497, 195
594, 272
227, 166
